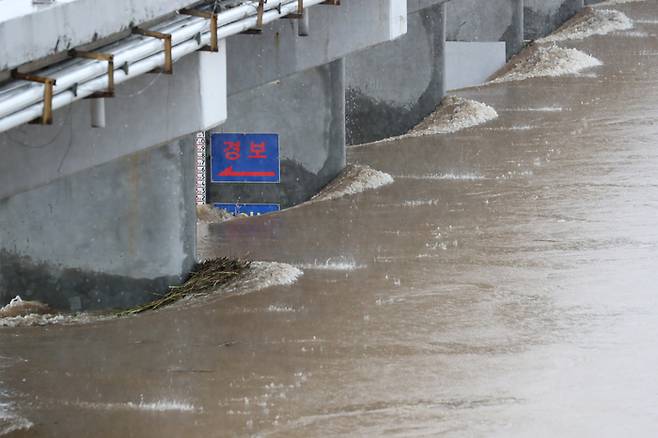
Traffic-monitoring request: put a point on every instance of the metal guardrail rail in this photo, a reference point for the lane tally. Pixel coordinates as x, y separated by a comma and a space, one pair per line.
33, 96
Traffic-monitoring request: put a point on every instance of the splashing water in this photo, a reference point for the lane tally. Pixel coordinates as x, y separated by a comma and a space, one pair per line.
542, 61
354, 179
589, 23
10, 421
333, 264
454, 114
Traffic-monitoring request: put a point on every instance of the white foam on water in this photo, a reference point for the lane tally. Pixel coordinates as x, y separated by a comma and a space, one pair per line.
420, 203
453, 115
548, 61
20, 313
10, 421
19, 307
157, 406
262, 275
332, 264
633, 34
278, 308
35, 319
207, 214
617, 2
589, 23
512, 128
514, 174
444, 176
546, 109
354, 179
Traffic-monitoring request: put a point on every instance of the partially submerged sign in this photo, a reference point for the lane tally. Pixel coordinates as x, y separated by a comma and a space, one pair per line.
248, 209
245, 158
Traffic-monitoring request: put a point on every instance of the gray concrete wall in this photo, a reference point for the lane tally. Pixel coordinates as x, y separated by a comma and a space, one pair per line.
267, 93
335, 31
544, 16
471, 64
493, 20
103, 237
393, 86
417, 5
307, 111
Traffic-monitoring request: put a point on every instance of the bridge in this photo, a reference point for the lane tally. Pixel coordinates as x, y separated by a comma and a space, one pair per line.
100, 103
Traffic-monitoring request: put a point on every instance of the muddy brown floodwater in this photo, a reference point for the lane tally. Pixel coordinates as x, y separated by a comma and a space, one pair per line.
506, 285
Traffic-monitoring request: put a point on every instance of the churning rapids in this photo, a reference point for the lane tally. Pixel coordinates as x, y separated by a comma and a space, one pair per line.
497, 279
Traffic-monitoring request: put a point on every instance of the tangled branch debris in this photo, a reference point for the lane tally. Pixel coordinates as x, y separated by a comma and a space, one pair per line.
205, 278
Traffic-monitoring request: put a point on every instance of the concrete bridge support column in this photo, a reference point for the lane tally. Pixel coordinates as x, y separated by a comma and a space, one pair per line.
307, 110
294, 86
516, 41
393, 86
105, 217
544, 16
105, 237
494, 20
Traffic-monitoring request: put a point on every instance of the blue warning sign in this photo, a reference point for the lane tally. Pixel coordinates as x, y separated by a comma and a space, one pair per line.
248, 209
245, 158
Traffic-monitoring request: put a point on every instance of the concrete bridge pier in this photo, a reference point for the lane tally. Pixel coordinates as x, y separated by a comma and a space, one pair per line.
104, 217
393, 86
108, 236
281, 82
474, 21
307, 110
544, 16
517, 39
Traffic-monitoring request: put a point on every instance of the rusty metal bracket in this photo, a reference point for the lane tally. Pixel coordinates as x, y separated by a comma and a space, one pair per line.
166, 38
259, 19
48, 83
209, 15
296, 15
109, 92
300, 11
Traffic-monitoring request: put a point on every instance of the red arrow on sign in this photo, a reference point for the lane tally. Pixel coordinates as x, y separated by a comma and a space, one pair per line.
230, 172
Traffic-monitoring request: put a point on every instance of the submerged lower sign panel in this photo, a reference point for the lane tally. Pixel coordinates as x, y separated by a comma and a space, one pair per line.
245, 158
248, 209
